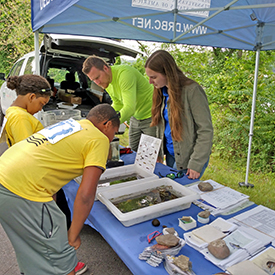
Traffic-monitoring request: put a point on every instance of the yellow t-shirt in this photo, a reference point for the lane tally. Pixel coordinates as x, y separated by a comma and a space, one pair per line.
20, 125
36, 169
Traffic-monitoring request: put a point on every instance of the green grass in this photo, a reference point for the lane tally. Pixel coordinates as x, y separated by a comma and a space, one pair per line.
124, 139
230, 174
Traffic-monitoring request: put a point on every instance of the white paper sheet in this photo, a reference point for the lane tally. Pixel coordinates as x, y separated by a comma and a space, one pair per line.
224, 197
260, 218
241, 245
208, 233
245, 267
263, 258
197, 241
215, 185
224, 226
264, 238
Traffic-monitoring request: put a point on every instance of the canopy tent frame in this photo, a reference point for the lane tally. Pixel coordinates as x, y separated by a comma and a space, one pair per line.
178, 14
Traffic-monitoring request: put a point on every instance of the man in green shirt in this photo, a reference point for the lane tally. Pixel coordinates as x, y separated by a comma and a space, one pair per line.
131, 94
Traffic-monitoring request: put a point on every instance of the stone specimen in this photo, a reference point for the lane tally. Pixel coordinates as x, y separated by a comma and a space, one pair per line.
204, 214
170, 230
159, 247
183, 263
155, 222
205, 186
168, 240
219, 249
186, 219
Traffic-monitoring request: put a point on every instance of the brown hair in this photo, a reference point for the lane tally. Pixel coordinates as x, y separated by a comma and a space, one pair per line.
93, 61
29, 83
162, 62
103, 112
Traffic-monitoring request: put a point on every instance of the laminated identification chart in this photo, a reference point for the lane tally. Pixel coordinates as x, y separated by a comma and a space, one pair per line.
147, 152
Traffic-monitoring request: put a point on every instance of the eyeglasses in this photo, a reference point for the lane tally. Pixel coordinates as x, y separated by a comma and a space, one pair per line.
45, 90
117, 115
173, 176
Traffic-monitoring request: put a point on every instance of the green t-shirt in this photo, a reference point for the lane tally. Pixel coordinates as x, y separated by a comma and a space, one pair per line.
131, 93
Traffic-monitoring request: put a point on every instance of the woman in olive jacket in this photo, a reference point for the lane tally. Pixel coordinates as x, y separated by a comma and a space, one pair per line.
181, 113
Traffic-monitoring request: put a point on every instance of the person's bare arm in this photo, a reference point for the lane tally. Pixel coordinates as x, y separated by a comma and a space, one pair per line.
83, 203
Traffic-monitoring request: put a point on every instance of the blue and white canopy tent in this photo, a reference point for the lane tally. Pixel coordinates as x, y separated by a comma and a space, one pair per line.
237, 24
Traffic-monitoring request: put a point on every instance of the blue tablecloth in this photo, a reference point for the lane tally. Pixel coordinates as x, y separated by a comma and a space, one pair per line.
160, 169
129, 242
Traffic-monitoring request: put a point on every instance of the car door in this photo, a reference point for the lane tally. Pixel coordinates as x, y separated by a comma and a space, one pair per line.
22, 66
8, 95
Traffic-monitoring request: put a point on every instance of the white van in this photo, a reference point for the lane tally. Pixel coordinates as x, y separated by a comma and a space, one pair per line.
62, 55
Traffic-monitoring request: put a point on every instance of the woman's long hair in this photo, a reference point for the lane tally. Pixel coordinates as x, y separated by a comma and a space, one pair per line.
162, 62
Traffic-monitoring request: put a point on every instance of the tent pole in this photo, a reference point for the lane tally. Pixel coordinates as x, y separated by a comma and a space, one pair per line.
252, 119
36, 52
175, 19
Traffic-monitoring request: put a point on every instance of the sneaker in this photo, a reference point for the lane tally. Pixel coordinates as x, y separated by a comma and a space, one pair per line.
80, 268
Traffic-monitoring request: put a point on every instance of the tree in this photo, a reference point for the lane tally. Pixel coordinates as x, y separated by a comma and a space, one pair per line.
227, 76
16, 32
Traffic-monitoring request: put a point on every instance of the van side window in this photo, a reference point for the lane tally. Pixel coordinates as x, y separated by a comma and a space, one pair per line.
16, 68
30, 66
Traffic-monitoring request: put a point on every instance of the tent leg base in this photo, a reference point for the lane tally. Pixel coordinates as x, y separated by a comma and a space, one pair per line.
243, 184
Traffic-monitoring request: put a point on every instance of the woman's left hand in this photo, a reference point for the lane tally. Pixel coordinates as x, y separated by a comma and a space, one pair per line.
192, 174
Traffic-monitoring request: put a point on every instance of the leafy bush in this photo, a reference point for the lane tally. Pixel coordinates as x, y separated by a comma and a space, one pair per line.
231, 101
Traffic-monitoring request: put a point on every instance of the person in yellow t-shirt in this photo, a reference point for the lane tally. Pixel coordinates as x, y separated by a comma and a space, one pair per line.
34, 169
33, 92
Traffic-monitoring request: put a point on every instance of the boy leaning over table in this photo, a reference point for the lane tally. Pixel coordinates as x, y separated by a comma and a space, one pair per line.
33, 170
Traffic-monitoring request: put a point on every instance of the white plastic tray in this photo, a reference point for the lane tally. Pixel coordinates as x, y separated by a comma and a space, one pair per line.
149, 212
121, 171
53, 116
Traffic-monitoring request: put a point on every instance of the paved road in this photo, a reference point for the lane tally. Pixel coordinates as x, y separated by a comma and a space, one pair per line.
94, 251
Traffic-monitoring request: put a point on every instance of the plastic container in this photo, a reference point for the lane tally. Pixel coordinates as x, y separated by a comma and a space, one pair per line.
121, 129
54, 116
123, 172
108, 196
202, 220
187, 225
114, 153
172, 269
